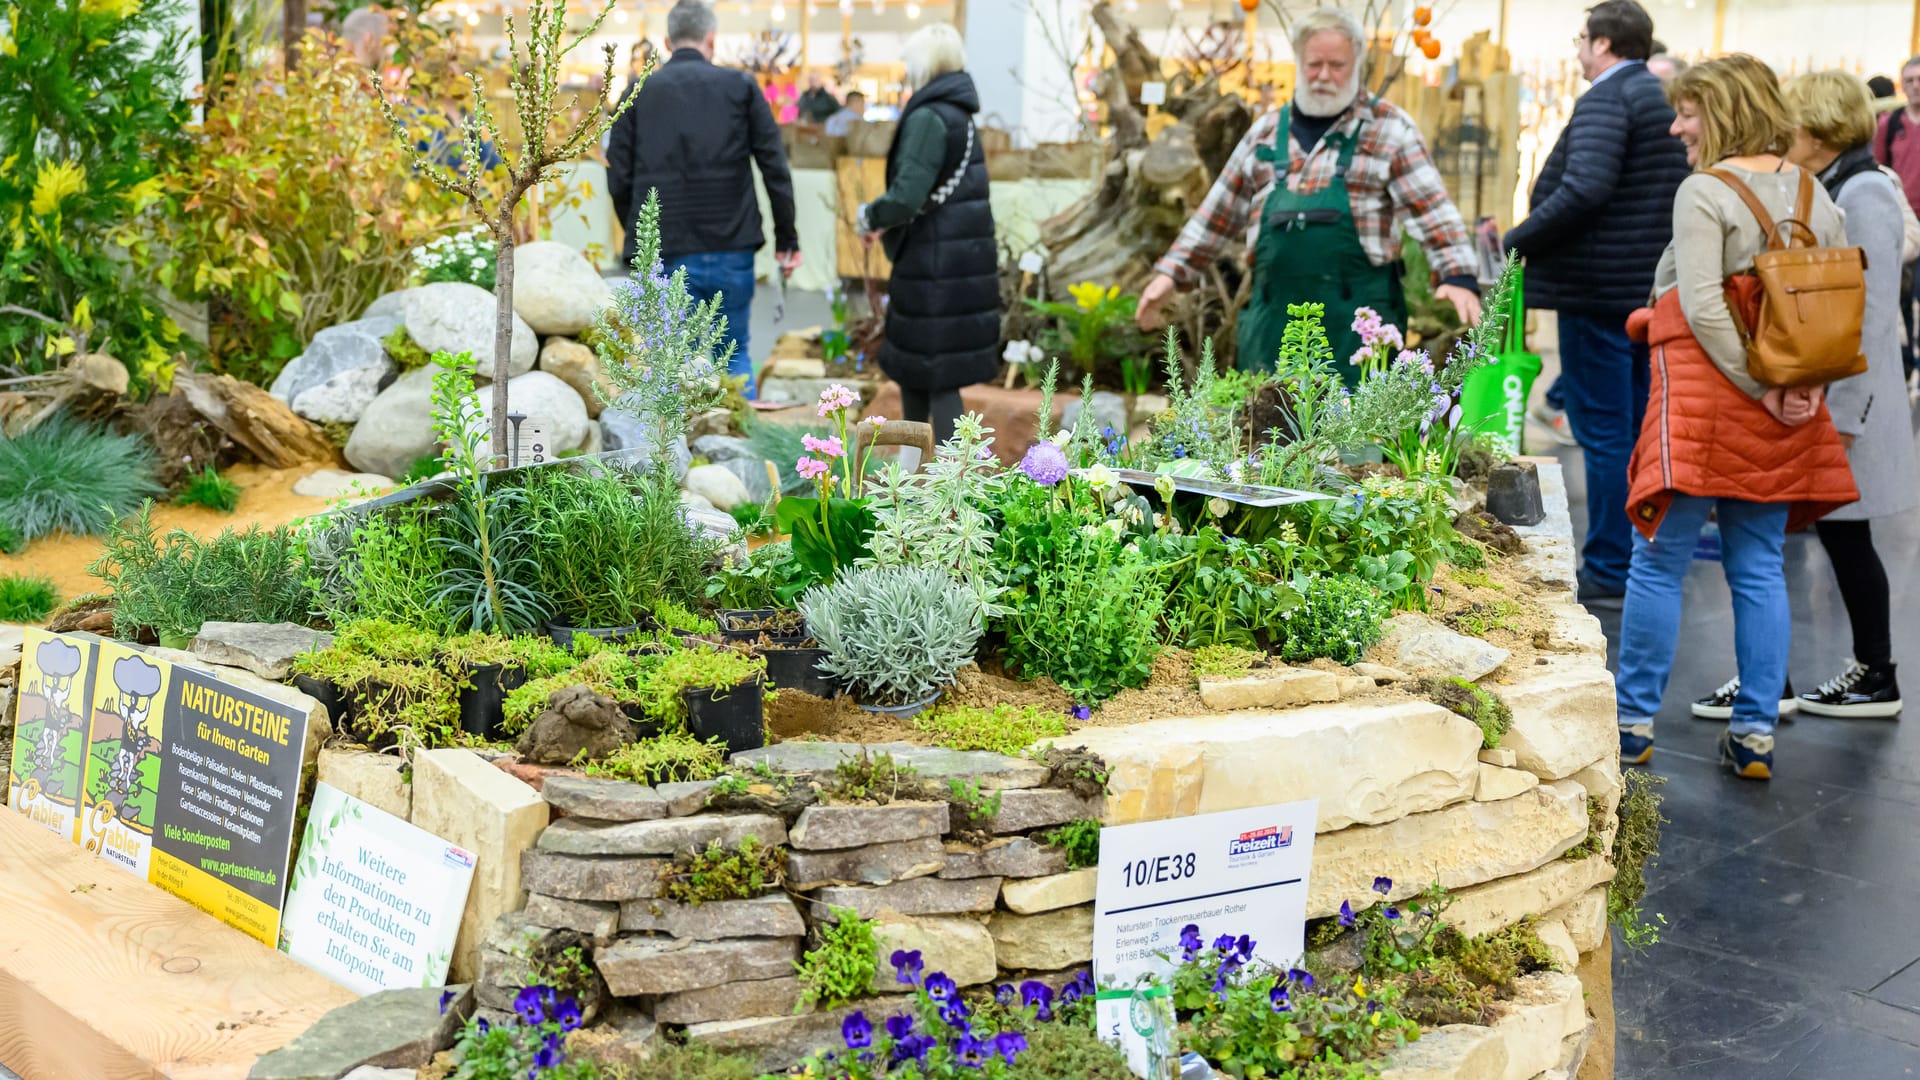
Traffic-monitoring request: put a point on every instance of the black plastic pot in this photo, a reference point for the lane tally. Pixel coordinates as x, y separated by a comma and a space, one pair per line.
799, 669
733, 714
731, 627
483, 695
563, 635
328, 695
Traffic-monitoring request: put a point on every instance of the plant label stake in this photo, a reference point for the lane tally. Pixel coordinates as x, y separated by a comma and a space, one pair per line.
516, 419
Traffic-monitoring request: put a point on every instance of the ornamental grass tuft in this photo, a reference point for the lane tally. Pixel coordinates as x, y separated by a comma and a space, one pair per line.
67, 475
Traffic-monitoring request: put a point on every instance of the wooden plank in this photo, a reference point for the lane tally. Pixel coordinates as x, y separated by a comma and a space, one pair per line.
860, 180
105, 977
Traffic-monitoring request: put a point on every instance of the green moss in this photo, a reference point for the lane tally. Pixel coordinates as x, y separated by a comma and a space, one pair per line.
662, 683
664, 759
1635, 847
1068, 1050
1479, 705
1466, 975
674, 616
1224, 661
1596, 832
740, 871
682, 1061
840, 966
387, 640
1478, 620
405, 354
1003, 729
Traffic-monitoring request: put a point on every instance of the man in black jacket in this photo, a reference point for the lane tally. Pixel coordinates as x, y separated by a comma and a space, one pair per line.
1602, 214
693, 134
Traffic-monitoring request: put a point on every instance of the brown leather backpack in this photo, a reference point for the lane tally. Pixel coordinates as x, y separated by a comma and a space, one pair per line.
1812, 299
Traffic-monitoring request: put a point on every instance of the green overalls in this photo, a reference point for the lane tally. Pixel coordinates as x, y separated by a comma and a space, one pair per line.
1309, 252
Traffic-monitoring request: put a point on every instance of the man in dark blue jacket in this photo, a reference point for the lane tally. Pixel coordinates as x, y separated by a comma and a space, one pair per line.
1602, 214
695, 132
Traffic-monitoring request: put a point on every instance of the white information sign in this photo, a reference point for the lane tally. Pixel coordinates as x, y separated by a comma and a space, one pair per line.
1153, 93
1031, 262
1232, 873
375, 902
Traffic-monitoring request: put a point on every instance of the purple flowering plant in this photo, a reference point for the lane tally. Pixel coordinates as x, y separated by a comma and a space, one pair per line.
532, 1046
1399, 936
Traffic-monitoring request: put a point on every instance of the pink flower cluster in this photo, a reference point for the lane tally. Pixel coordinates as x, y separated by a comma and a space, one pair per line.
1375, 331
811, 468
827, 447
837, 397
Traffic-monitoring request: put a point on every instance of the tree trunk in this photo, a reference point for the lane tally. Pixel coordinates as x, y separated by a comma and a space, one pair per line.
502, 336
293, 26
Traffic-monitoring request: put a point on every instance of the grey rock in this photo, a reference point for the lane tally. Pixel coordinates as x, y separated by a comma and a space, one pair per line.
583, 836
266, 649
548, 403
921, 896
876, 864
392, 1029
1513, 493
607, 800
752, 473
829, 828
622, 431
390, 305
774, 1043
397, 428
994, 772
1017, 857
773, 915
555, 289
717, 484
340, 373
1109, 411
577, 877
733, 1001
369, 1072
455, 317
670, 965
1421, 646
685, 798
591, 917
1040, 808
724, 448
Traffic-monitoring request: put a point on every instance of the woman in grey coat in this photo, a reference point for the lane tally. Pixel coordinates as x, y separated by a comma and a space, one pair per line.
1834, 113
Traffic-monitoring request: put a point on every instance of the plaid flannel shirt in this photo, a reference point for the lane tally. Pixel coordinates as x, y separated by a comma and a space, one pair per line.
1392, 182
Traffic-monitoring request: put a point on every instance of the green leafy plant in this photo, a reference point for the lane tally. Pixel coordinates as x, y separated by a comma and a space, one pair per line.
1079, 838
830, 532
1339, 618
412, 706
209, 489
870, 778
935, 517
408, 356
71, 476
422, 469
1097, 326
90, 105
672, 615
895, 634
973, 809
1003, 729
486, 536
768, 574
608, 547
530, 1045
663, 759
1224, 591
754, 519
739, 871
841, 966
1636, 846
27, 598
686, 1061
663, 684
173, 584
1477, 704
380, 566
10, 539
1224, 661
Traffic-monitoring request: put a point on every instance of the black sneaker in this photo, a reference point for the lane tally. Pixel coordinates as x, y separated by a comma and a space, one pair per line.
1596, 597
1719, 704
1858, 692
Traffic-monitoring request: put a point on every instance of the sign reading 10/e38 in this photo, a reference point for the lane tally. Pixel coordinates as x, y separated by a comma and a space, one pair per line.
1162, 869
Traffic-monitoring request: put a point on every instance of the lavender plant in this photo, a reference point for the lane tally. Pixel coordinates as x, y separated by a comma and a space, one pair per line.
897, 634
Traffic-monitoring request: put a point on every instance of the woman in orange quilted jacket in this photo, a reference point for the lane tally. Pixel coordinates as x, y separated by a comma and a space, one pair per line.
1760, 459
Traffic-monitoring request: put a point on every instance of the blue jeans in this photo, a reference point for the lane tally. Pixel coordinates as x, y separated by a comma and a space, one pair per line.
1603, 378
728, 275
1751, 538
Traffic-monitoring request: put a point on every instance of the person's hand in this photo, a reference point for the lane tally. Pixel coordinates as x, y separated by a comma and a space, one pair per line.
1464, 302
1148, 316
1793, 407
870, 238
789, 261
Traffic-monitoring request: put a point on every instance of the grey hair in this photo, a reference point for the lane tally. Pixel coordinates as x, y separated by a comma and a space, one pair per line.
363, 24
1911, 62
1320, 21
934, 50
689, 23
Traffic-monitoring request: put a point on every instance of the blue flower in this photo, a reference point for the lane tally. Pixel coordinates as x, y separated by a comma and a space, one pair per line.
1223, 944
856, 1031
1346, 913
907, 966
1009, 1043
1301, 976
912, 1048
1044, 464
548, 1056
531, 1003
1039, 996
971, 1052
1277, 997
1071, 993
568, 1014
955, 1014
482, 1026
1383, 885
1244, 947
446, 999
940, 986
1392, 912
899, 1027
1003, 993
1083, 981
1190, 941
1080, 712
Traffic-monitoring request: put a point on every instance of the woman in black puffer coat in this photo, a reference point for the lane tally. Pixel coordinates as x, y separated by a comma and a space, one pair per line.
943, 308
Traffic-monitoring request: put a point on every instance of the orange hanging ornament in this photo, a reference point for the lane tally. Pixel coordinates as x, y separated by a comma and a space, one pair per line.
1249, 5
1422, 15
1430, 48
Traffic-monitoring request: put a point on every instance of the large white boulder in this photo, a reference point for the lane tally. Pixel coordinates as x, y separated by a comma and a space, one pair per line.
340, 373
555, 289
393, 304
455, 317
548, 404
396, 430
718, 485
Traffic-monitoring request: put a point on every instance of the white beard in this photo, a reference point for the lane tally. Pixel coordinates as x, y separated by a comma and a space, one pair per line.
1314, 103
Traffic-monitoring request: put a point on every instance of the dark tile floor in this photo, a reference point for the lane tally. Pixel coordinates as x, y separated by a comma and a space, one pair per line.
1792, 938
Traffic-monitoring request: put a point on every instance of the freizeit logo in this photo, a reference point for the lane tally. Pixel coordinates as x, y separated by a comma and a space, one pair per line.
1252, 842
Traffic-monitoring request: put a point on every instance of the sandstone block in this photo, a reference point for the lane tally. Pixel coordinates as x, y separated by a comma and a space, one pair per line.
1544, 1010
1483, 909
1459, 846
1011, 857
1418, 644
875, 864
463, 800
959, 946
1046, 942
669, 965
584, 836
775, 1042
374, 779
1035, 895
1585, 918
921, 896
1454, 1052
593, 918
826, 828
773, 915
1563, 718
732, 1001
1497, 783
993, 771
584, 877
389, 1029
266, 649
1040, 808
625, 1037
1280, 688
1366, 763
1502, 756
1380, 673
605, 800
1553, 934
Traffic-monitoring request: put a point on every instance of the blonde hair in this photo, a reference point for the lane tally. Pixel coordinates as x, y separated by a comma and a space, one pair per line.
1322, 20
934, 50
1742, 111
1834, 107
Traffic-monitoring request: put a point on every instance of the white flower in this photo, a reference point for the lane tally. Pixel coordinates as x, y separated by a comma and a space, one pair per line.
1217, 506
479, 263
1101, 478
1061, 438
1016, 352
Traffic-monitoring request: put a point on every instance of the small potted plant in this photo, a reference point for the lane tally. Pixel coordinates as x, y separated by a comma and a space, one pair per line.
716, 693
405, 705
795, 665
326, 675
687, 625
488, 667
895, 635
743, 625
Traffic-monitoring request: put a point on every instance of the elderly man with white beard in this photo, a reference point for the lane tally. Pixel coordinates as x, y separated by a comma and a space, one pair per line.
1320, 189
